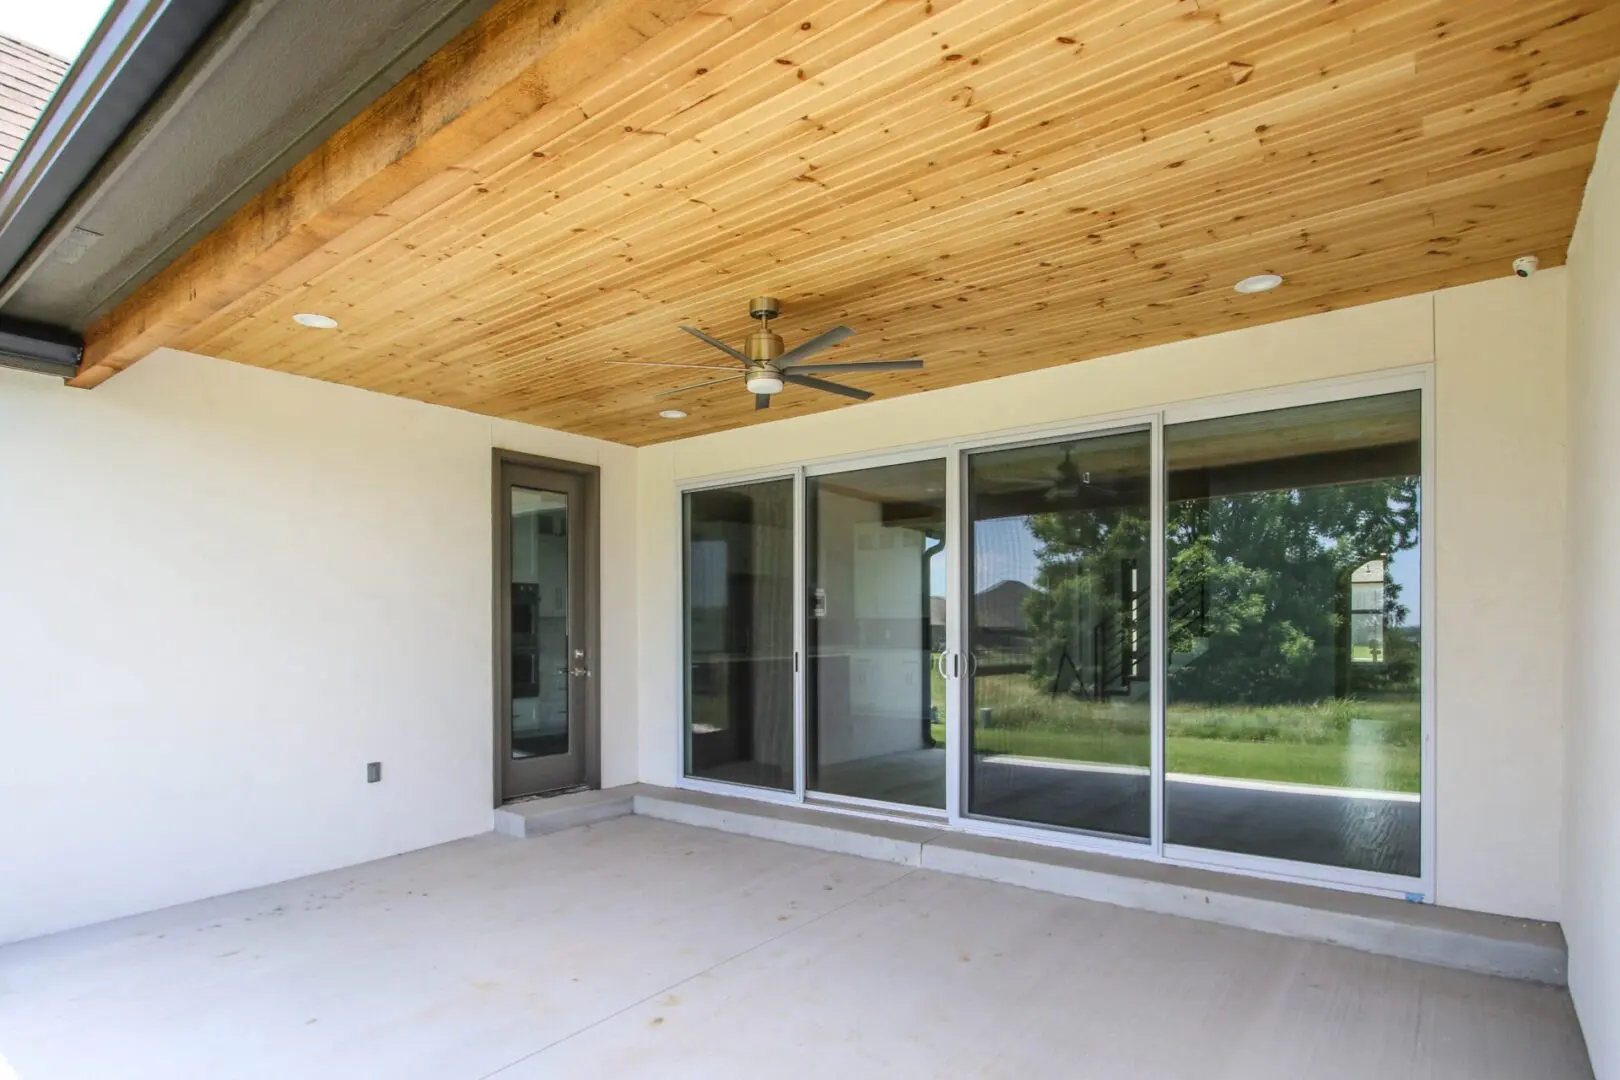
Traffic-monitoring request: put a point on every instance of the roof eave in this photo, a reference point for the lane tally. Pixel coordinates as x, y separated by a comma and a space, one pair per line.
130, 57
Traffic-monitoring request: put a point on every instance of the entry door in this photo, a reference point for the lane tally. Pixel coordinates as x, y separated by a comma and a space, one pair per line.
546, 730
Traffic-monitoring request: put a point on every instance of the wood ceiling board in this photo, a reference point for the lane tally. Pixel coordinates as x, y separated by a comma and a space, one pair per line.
1356, 229
1230, 301
402, 154
994, 185
464, 184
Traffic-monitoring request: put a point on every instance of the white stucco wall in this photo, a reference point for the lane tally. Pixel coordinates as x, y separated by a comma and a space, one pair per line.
1499, 485
222, 592
1592, 794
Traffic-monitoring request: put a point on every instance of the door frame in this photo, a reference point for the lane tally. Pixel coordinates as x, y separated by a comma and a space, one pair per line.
802, 523
1157, 416
678, 571
959, 684
585, 692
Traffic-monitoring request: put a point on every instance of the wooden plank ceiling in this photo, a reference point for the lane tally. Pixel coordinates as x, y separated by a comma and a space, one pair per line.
992, 185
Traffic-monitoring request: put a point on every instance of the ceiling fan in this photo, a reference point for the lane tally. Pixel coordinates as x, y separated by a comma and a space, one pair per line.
1068, 482
767, 367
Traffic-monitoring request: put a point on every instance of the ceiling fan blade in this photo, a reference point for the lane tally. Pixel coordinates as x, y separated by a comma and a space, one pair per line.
814, 345
653, 363
722, 346
762, 401
698, 385
823, 384
865, 365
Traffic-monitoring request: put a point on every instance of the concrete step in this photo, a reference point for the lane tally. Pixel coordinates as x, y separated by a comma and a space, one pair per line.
554, 813
868, 838
1449, 937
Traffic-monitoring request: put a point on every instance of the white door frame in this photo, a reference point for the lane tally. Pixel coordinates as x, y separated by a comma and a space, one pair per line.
1156, 419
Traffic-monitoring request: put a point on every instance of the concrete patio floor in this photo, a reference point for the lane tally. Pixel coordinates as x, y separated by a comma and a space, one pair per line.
641, 948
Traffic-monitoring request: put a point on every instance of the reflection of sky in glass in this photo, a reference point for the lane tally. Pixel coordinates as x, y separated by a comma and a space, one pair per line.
1003, 550
1403, 569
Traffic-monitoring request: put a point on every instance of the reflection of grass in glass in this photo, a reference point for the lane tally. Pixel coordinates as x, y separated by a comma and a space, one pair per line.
1336, 743
1373, 767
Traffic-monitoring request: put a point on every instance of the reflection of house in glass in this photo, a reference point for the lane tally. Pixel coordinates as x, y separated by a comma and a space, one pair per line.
1367, 612
1001, 620
999, 617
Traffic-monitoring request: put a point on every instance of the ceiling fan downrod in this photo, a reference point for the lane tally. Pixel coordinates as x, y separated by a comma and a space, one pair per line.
764, 346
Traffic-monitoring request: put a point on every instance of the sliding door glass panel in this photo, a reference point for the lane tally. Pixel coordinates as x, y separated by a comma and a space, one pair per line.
738, 559
1059, 636
1293, 725
875, 627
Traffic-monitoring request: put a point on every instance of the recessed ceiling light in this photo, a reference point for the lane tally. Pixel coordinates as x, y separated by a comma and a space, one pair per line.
1259, 283
673, 414
314, 321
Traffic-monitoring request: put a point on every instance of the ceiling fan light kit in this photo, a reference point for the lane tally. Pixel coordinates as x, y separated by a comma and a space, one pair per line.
768, 365
764, 381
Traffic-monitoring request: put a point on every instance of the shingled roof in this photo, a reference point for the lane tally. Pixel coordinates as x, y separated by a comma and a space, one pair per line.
28, 78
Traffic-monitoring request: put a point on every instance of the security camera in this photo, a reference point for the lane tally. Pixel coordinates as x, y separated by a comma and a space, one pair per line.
1525, 265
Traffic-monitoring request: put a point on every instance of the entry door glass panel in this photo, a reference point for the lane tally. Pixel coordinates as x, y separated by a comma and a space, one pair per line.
738, 570
1293, 684
875, 627
540, 662
1059, 639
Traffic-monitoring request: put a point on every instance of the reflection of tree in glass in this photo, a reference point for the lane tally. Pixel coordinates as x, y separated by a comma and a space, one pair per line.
1078, 586
1257, 591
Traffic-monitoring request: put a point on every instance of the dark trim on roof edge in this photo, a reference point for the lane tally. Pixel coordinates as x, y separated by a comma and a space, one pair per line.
31, 346
127, 61
233, 32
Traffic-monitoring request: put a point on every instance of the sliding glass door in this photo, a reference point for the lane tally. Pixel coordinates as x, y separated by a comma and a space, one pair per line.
875, 625
1196, 634
1293, 727
1059, 643
738, 569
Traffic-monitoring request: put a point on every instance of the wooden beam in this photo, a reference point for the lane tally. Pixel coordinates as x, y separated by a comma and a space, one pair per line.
405, 151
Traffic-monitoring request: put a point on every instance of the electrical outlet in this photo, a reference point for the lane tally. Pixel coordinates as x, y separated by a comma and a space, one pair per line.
373, 771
